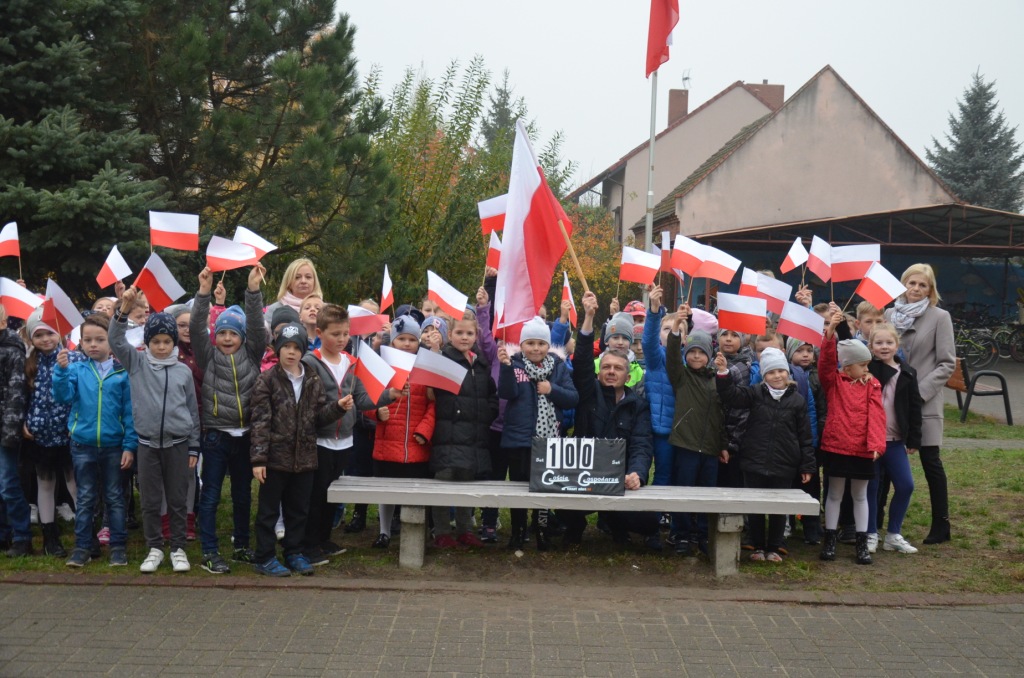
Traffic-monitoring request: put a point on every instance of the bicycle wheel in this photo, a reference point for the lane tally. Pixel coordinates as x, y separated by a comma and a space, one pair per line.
990, 350
1002, 337
1017, 345
979, 351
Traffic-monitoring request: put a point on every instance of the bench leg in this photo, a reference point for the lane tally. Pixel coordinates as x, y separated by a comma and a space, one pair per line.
724, 542
414, 536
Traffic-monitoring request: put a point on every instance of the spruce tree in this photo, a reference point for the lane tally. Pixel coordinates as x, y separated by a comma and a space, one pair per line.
982, 162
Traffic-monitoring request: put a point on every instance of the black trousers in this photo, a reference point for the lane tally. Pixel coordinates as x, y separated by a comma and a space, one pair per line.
621, 522
290, 493
330, 465
755, 521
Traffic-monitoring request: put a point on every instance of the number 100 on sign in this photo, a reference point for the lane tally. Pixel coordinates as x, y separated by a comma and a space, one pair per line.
570, 454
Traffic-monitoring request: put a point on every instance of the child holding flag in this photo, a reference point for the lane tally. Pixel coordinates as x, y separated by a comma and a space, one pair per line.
12, 406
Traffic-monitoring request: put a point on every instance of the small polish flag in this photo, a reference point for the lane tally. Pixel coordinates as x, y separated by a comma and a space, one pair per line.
567, 296
797, 256
75, 338
638, 266
879, 286
114, 268
819, 261
401, 362
362, 321
775, 292
247, 237
492, 213
742, 314
678, 274
371, 369
175, 231
59, 311
687, 255
225, 255
748, 283
158, 283
387, 294
666, 252
718, 265
451, 301
801, 322
494, 251
851, 262
9, 244
17, 301
499, 308
436, 370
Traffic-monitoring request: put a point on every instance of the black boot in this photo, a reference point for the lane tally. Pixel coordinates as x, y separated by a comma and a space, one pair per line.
540, 529
812, 530
51, 541
358, 522
863, 555
939, 532
517, 539
828, 545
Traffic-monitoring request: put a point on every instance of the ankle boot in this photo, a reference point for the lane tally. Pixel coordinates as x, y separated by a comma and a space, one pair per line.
517, 539
51, 541
812, 530
357, 524
828, 545
939, 532
863, 555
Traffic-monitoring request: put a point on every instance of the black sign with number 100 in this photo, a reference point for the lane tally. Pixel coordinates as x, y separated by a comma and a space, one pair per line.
578, 466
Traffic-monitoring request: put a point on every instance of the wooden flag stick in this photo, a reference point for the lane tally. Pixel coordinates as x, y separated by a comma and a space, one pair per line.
617, 283
222, 274
572, 253
803, 274
832, 286
848, 303
689, 290
20, 276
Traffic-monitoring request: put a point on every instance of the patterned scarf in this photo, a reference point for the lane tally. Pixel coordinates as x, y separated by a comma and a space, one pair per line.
904, 314
547, 419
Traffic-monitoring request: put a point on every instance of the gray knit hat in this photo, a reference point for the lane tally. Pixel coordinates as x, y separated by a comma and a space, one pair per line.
853, 351
620, 324
701, 341
405, 324
773, 359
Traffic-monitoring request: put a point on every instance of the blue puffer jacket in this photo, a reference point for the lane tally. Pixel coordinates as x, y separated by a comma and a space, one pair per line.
659, 392
520, 392
101, 409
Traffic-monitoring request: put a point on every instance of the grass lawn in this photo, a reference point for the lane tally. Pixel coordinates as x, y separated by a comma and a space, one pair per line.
979, 427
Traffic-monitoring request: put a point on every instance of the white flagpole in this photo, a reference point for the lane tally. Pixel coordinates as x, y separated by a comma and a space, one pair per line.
649, 223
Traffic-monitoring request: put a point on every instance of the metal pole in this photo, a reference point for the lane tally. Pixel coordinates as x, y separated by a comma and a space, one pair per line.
649, 224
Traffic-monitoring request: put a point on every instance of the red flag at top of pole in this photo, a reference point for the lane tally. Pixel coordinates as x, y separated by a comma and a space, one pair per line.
664, 17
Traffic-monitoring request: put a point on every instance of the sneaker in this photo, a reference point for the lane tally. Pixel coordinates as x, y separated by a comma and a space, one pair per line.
179, 561
872, 542
488, 535
848, 534
896, 542
315, 556
214, 563
684, 548
665, 522
383, 541
244, 555
469, 539
674, 538
299, 564
34, 514
273, 568
19, 549
331, 549
79, 558
773, 557
445, 541
104, 535
152, 561
118, 557
65, 513
757, 556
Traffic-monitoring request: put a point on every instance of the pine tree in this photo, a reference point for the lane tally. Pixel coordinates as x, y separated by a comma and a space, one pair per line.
982, 162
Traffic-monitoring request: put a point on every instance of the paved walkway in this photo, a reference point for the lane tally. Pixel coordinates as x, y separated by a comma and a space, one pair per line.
54, 630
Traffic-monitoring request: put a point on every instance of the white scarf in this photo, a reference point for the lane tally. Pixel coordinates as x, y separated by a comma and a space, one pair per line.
904, 314
776, 393
547, 418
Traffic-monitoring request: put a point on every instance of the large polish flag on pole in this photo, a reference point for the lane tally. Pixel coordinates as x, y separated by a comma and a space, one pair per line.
664, 17
533, 243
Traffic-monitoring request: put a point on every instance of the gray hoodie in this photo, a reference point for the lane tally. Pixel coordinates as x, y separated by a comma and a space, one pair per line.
342, 428
163, 394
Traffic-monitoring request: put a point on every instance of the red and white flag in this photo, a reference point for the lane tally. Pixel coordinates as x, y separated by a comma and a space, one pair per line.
748, 283
492, 213
567, 296
363, 321
158, 283
499, 309
114, 268
851, 262
718, 265
436, 370
879, 286
742, 314
371, 369
664, 17
175, 231
797, 256
401, 362
9, 243
819, 261
687, 255
775, 292
532, 243
226, 255
75, 338
59, 312
247, 237
451, 301
802, 323
666, 252
494, 251
387, 293
18, 301
638, 266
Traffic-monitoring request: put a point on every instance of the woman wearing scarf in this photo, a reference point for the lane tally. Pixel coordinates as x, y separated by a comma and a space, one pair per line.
926, 336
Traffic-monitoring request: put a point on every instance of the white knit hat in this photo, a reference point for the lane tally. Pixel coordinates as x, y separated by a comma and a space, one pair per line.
773, 359
536, 329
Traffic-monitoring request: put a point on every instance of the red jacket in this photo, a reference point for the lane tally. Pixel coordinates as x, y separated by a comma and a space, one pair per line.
856, 417
394, 438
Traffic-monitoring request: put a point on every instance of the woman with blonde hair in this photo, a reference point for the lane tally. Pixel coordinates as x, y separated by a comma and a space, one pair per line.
298, 282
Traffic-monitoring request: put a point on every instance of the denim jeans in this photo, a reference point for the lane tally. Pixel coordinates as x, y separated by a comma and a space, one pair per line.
223, 454
693, 469
13, 496
98, 469
664, 456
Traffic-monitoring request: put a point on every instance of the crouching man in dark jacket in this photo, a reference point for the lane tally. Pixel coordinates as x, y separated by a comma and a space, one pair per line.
609, 409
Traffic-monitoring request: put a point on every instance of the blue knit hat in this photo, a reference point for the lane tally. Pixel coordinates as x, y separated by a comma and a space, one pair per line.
440, 325
160, 323
232, 320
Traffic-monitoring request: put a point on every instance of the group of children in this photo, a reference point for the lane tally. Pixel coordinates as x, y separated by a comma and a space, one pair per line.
269, 393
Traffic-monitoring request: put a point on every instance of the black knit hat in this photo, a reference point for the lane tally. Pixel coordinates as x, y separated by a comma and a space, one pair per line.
292, 333
160, 323
283, 314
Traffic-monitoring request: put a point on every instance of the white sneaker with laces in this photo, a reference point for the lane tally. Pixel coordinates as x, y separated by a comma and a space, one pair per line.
872, 542
152, 561
179, 561
896, 542
65, 512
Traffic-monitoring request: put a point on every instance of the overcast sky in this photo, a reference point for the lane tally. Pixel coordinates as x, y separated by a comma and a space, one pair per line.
580, 65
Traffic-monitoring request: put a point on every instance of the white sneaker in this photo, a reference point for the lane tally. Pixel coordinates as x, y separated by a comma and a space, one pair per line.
65, 512
179, 561
896, 542
787, 532
872, 542
152, 561
34, 517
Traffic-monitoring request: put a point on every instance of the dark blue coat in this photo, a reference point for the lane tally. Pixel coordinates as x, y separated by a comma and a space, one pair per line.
520, 392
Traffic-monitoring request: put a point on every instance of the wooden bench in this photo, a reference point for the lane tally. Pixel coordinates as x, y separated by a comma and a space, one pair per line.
725, 507
963, 382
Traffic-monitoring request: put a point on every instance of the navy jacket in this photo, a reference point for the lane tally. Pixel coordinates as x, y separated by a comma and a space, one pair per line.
520, 391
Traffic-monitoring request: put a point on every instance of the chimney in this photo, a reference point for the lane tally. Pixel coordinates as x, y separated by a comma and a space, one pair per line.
773, 95
678, 105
